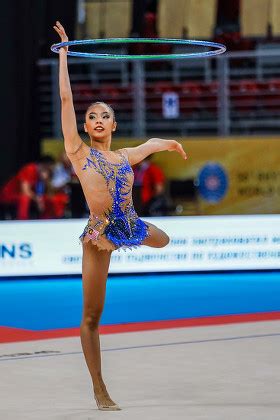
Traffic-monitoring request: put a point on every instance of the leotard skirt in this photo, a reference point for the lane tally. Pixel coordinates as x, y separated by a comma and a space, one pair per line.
109, 232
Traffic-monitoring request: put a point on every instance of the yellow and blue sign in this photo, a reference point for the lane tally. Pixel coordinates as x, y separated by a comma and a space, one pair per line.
232, 175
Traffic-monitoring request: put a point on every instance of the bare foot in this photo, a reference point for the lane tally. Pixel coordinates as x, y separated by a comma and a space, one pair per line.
103, 399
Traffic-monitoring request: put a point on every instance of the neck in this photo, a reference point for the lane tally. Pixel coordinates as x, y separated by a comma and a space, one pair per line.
101, 144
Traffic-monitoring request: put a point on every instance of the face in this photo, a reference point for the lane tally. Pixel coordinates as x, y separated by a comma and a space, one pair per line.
99, 121
45, 172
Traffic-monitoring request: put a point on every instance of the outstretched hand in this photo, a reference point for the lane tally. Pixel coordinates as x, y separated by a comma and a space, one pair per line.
61, 32
177, 147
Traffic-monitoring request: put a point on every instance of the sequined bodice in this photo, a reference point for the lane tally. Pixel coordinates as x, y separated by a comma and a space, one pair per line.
113, 222
118, 177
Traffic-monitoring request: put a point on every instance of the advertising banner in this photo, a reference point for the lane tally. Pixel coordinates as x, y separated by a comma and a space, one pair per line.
231, 175
197, 243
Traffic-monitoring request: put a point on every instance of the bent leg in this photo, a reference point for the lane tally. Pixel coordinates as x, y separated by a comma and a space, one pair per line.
95, 267
59, 202
23, 203
157, 238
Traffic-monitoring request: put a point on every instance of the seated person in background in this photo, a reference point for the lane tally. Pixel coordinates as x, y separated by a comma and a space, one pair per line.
62, 172
62, 176
151, 180
28, 190
67, 190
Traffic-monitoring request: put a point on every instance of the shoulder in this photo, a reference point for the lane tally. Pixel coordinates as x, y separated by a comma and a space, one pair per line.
124, 152
31, 167
28, 172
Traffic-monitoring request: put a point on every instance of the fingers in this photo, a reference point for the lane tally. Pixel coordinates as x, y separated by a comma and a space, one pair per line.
61, 32
59, 29
181, 151
175, 146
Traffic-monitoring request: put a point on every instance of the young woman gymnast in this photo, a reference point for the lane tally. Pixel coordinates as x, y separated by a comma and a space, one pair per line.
106, 178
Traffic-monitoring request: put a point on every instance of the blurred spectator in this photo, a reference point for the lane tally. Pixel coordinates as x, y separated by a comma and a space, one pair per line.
150, 180
62, 173
29, 192
67, 189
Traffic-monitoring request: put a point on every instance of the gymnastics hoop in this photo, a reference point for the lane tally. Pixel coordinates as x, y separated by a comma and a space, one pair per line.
219, 48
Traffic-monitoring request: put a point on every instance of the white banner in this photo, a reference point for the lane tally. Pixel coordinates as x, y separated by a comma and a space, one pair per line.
199, 243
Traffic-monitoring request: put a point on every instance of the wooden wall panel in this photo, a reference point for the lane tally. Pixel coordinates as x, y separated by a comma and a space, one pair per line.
111, 19
275, 17
254, 17
200, 19
171, 18
118, 19
92, 23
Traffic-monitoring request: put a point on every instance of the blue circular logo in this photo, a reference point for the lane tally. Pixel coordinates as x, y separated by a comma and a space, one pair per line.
212, 182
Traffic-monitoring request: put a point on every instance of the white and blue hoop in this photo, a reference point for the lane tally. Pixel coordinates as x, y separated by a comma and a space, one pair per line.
217, 48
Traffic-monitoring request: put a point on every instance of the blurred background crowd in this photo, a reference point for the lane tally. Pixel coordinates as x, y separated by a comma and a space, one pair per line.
237, 94
49, 189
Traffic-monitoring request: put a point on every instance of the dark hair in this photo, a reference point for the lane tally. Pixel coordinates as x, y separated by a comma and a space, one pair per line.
102, 103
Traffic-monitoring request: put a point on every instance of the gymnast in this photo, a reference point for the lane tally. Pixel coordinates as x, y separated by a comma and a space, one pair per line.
106, 178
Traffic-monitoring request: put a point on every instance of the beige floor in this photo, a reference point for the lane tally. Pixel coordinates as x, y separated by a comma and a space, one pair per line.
229, 372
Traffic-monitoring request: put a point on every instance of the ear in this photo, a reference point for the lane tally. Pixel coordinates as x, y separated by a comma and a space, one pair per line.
85, 128
114, 126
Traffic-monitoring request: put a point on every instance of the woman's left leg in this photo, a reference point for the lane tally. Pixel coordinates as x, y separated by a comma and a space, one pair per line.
157, 238
94, 275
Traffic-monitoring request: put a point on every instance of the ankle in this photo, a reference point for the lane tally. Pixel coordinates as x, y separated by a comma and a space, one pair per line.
98, 385
100, 392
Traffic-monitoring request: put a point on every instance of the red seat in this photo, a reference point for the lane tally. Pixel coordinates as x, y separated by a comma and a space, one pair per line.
125, 98
244, 96
209, 96
273, 99
190, 98
110, 94
82, 91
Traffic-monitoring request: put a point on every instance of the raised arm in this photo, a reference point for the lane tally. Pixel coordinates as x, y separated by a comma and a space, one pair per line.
138, 153
72, 140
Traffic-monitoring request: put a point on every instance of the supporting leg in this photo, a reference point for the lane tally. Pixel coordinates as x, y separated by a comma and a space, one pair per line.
95, 270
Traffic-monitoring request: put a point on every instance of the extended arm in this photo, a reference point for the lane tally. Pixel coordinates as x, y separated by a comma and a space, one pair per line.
27, 190
72, 140
138, 153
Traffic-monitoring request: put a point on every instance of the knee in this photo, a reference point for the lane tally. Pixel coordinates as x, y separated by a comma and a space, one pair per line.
91, 318
166, 240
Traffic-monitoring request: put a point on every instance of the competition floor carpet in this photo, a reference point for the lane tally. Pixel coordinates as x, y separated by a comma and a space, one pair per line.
173, 347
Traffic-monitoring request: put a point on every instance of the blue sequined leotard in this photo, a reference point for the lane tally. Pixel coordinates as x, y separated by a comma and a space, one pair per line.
119, 225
